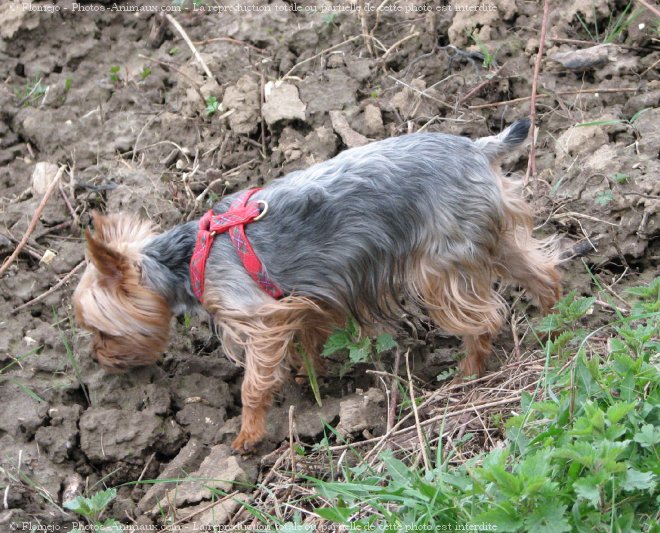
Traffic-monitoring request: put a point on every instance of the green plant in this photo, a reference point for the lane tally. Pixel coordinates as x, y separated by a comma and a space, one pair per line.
145, 73
114, 74
359, 348
488, 58
630, 123
620, 178
212, 105
174, 51
92, 509
604, 197
31, 93
581, 456
614, 28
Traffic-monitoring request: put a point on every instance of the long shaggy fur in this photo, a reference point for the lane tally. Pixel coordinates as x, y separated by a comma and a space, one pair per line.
425, 217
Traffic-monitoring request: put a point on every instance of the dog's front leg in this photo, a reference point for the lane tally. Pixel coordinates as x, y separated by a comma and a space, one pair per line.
264, 373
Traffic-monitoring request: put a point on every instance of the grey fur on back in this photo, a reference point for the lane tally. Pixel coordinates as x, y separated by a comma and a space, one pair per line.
342, 232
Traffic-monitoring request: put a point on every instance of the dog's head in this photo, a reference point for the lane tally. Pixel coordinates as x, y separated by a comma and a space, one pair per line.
130, 321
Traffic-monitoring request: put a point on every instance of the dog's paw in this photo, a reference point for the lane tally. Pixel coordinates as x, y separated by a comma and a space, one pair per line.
246, 442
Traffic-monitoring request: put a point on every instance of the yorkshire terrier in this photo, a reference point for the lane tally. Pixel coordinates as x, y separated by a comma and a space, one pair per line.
424, 218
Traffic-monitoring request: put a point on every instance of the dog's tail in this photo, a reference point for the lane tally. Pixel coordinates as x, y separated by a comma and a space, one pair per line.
497, 145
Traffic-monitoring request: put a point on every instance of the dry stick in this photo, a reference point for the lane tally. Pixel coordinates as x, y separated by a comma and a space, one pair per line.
229, 40
190, 44
203, 509
531, 165
397, 44
558, 93
52, 289
33, 222
650, 7
477, 88
192, 82
294, 67
394, 394
418, 426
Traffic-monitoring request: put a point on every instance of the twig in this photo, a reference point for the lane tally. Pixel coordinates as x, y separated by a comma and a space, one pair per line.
230, 40
205, 508
650, 7
72, 211
190, 44
294, 67
531, 164
418, 426
292, 452
396, 44
394, 394
558, 93
478, 87
33, 222
594, 43
192, 82
146, 465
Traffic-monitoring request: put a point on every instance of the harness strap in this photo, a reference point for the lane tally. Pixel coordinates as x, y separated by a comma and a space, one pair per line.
233, 220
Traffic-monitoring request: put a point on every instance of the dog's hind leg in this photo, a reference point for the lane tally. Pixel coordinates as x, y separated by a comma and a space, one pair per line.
462, 301
528, 262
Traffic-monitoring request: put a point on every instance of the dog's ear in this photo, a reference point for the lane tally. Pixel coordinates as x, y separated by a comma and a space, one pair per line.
109, 262
99, 223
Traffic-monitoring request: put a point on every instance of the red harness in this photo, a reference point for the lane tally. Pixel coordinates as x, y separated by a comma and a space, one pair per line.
233, 220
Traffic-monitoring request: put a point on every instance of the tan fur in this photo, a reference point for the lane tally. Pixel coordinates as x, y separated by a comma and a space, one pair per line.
130, 322
268, 340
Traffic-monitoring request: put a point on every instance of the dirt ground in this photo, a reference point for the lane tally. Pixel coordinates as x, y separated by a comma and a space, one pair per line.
119, 98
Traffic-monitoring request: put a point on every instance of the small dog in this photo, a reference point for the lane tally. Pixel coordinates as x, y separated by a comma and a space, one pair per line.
424, 217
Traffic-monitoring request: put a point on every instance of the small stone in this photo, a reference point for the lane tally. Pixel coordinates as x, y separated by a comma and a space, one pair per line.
373, 121
361, 411
43, 175
350, 137
283, 103
336, 61
244, 99
219, 470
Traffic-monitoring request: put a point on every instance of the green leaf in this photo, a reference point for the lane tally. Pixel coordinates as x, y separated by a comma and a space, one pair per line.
604, 197
618, 410
504, 517
360, 352
384, 342
547, 518
648, 436
336, 341
636, 480
100, 500
587, 489
80, 505
339, 515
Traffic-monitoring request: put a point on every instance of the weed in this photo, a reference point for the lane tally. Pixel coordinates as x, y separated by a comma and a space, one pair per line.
92, 509
630, 123
488, 58
604, 197
174, 51
32, 93
614, 28
582, 455
329, 19
360, 349
145, 73
212, 106
376, 92
620, 178
114, 74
